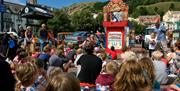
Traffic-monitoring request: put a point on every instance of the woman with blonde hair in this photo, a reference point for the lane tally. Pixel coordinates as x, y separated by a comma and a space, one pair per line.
63, 82
147, 64
131, 77
26, 75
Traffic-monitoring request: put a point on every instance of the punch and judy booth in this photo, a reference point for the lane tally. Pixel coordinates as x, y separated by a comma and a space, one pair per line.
115, 23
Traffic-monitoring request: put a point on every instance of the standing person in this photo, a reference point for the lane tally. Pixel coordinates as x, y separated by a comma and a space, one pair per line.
21, 34
90, 66
43, 34
79, 53
28, 37
132, 38
51, 37
152, 43
161, 36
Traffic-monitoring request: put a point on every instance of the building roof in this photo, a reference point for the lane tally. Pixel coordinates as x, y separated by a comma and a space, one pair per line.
17, 8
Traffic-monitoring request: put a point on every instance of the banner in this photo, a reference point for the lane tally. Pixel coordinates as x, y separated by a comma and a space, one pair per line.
115, 39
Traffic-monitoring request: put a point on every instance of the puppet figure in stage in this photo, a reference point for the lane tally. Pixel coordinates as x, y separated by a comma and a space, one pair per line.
116, 11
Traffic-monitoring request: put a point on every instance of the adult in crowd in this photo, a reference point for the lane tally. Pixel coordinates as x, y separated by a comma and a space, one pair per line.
147, 64
43, 35
161, 32
174, 59
79, 53
90, 66
28, 37
21, 34
70, 51
131, 77
160, 68
12, 46
55, 61
7, 80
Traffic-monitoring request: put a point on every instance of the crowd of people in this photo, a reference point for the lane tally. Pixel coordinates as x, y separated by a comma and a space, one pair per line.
86, 67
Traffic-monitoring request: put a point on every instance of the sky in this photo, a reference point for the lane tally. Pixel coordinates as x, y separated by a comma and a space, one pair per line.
55, 3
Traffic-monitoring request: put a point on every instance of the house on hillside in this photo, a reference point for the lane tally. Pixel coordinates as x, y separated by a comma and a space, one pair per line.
171, 18
149, 20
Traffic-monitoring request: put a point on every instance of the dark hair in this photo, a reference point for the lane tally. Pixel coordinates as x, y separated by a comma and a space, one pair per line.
177, 44
39, 63
22, 54
19, 50
89, 48
112, 48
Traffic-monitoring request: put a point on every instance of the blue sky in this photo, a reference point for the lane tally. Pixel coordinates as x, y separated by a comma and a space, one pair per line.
55, 3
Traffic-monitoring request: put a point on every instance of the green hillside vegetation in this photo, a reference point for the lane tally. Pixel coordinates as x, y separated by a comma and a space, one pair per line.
162, 6
79, 16
77, 7
159, 8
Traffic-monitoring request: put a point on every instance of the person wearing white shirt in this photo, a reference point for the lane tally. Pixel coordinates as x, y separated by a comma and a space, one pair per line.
152, 43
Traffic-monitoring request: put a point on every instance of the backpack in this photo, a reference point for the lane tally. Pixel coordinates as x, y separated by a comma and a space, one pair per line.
11, 43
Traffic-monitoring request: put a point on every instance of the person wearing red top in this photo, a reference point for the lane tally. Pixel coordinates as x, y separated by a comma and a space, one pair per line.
113, 53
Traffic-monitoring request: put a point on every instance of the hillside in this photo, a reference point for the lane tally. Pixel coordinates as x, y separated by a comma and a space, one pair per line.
134, 7
78, 7
163, 6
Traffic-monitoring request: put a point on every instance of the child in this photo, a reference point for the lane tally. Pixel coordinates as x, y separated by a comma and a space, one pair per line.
63, 82
26, 75
152, 43
36, 53
106, 78
41, 80
113, 53
54, 72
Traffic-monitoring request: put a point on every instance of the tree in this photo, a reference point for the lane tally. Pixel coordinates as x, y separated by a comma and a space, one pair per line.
61, 22
155, 9
143, 11
83, 21
172, 6
138, 27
